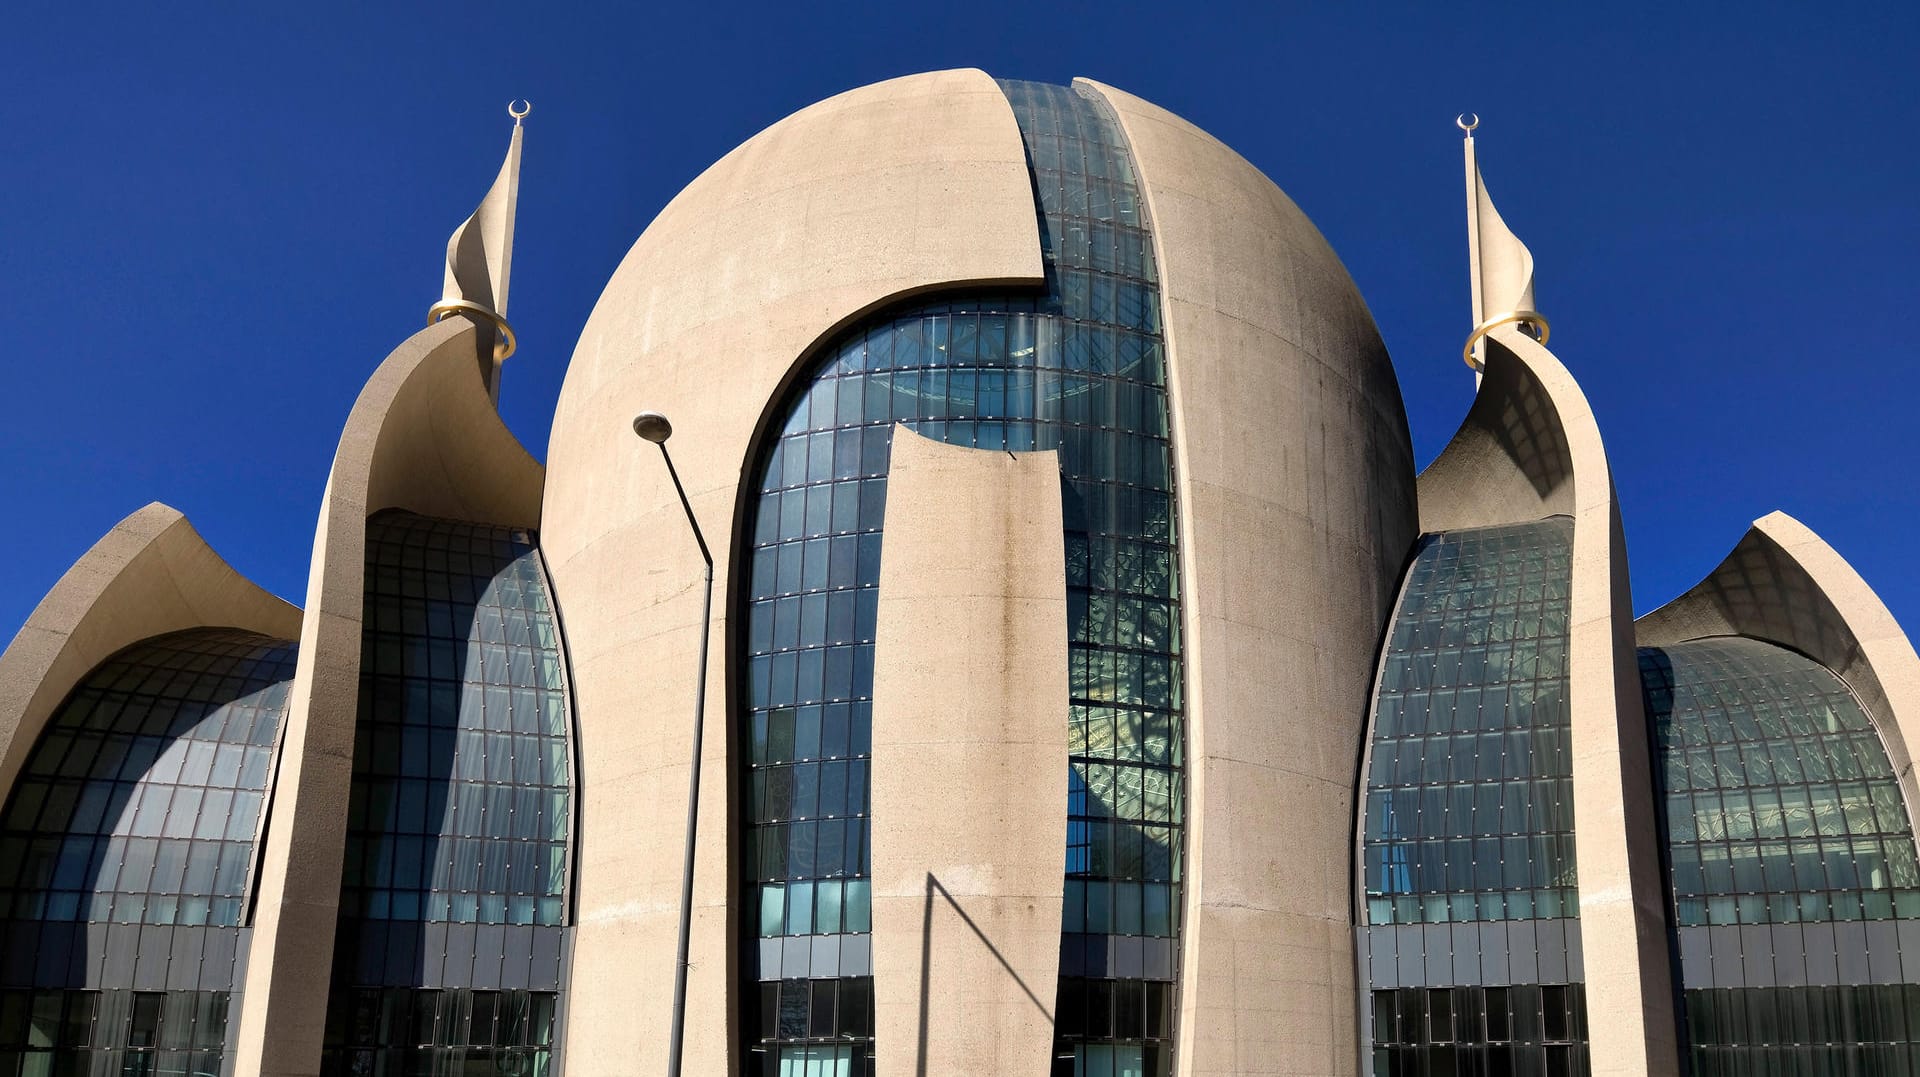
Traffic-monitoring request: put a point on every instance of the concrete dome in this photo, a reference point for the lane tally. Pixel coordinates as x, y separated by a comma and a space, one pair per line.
1295, 509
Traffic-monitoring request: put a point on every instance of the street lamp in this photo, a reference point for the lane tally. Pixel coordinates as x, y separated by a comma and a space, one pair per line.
653, 426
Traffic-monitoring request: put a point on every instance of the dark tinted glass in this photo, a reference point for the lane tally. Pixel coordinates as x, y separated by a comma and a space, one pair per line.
399, 1032
461, 802
1855, 1031
1480, 1031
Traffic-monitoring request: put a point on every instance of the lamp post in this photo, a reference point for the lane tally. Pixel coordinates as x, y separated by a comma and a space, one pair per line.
653, 426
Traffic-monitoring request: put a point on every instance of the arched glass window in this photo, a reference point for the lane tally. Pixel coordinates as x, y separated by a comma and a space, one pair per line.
126, 858
1795, 886
454, 891
1470, 906
1077, 367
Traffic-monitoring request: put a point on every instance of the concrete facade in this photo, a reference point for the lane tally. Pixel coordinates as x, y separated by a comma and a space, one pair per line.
1782, 583
423, 436
877, 194
152, 574
1289, 439
1297, 509
969, 761
1530, 448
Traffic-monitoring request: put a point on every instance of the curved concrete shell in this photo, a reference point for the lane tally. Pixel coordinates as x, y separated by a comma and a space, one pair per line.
1530, 448
423, 436
1784, 627
150, 575
1296, 510
1145, 525
1296, 507
1784, 584
970, 761
880, 193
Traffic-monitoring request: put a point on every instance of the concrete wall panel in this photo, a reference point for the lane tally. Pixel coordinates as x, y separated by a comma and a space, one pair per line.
423, 436
150, 575
1295, 481
1783, 583
1530, 447
880, 193
969, 787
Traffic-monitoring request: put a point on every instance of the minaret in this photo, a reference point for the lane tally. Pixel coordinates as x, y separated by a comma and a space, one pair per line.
1499, 264
480, 256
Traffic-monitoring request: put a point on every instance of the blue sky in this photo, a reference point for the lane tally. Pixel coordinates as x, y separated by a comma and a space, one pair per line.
216, 221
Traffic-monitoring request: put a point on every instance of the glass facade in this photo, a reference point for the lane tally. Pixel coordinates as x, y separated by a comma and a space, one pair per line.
1858, 1031
1525, 1030
126, 857
456, 1032
1795, 886
1470, 896
454, 890
1079, 368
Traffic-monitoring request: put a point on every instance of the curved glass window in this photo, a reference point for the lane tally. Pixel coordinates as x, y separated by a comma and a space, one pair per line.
1795, 886
126, 857
1470, 904
1077, 367
453, 894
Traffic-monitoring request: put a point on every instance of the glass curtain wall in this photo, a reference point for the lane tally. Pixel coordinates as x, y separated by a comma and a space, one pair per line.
126, 858
453, 899
1795, 887
1079, 368
1470, 901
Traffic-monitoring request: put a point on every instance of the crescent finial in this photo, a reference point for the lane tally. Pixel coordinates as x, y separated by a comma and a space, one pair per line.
519, 113
1460, 121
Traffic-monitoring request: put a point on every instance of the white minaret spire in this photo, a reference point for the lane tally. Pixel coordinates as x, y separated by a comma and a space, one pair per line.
480, 251
1500, 266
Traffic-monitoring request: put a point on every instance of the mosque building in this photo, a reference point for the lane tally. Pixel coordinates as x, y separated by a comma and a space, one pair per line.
1065, 672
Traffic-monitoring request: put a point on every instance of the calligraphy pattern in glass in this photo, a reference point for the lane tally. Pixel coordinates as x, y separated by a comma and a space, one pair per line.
1077, 368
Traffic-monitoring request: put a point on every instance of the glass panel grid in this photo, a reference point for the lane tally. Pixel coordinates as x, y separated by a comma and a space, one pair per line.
1469, 802
1114, 1027
1529, 1029
141, 800
461, 805
461, 777
1079, 369
1469, 813
113, 1031
1781, 805
140, 805
1869, 1030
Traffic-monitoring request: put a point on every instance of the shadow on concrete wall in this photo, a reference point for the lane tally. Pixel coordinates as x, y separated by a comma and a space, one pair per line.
926, 962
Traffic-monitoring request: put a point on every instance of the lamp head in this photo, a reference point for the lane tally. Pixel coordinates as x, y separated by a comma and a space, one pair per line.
653, 426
